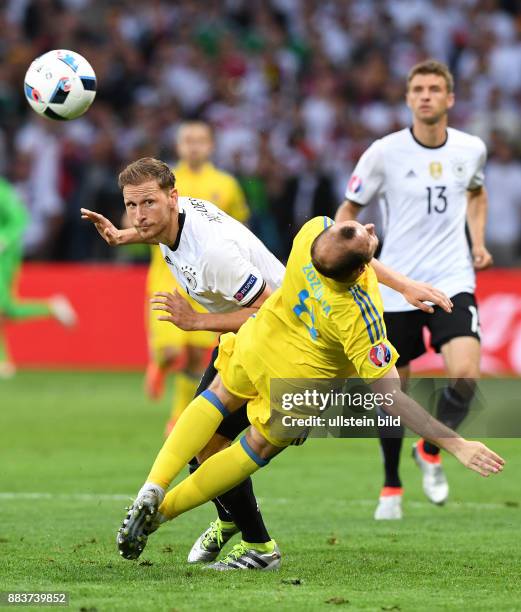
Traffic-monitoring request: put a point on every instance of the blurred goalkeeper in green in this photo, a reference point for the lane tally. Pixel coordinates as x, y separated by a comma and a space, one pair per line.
13, 221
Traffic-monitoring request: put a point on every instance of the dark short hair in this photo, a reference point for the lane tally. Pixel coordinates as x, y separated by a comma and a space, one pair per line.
147, 169
347, 263
432, 66
195, 122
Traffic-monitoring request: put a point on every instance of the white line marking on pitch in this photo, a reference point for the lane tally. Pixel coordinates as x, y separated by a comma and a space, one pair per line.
266, 500
70, 496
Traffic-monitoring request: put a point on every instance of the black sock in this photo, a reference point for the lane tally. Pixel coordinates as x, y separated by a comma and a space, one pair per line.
452, 408
391, 437
391, 448
222, 512
242, 506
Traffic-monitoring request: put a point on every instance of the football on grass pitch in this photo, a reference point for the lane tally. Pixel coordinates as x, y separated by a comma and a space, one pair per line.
60, 85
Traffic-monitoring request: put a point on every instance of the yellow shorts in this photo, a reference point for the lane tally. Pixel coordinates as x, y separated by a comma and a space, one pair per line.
244, 376
162, 334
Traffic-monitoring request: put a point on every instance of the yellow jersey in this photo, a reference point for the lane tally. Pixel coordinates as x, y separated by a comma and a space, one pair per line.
216, 186
315, 327
311, 327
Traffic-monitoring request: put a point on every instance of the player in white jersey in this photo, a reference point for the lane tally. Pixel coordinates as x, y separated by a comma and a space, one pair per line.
429, 180
227, 269
224, 267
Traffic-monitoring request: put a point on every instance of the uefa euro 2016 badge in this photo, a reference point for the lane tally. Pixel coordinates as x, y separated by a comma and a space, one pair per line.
380, 355
436, 170
355, 184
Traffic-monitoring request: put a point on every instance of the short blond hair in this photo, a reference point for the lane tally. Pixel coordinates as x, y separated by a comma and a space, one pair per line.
147, 169
432, 66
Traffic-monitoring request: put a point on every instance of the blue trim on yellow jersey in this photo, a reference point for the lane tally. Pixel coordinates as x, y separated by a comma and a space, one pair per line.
328, 222
252, 454
375, 310
363, 311
215, 401
356, 289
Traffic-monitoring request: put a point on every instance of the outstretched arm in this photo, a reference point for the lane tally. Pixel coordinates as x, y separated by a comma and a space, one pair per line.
109, 232
473, 455
415, 292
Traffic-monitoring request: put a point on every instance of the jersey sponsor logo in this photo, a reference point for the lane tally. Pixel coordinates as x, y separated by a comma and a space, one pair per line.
436, 170
246, 288
189, 274
411, 174
380, 355
168, 260
355, 184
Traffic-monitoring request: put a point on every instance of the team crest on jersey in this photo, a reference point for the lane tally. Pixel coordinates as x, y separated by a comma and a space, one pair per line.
189, 274
355, 184
459, 169
380, 355
436, 170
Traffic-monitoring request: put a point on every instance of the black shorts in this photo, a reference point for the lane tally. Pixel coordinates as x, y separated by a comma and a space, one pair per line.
236, 422
405, 329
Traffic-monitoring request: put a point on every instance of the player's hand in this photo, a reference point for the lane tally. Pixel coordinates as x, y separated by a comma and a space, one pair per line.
417, 293
477, 457
107, 230
481, 257
180, 312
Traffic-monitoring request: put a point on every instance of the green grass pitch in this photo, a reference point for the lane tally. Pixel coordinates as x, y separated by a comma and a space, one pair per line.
75, 446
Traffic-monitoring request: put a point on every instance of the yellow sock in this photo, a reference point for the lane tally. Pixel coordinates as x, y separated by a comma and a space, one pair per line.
185, 386
263, 547
193, 430
219, 473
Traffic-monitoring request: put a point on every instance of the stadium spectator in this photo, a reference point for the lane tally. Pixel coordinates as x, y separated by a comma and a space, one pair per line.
259, 71
503, 180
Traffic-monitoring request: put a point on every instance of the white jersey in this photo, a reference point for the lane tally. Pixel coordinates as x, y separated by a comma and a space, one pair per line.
423, 194
222, 265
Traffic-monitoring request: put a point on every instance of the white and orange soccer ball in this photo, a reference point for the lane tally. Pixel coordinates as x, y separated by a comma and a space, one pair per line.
60, 85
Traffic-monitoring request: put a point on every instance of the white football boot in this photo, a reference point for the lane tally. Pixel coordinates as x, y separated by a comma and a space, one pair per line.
389, 504
435, 485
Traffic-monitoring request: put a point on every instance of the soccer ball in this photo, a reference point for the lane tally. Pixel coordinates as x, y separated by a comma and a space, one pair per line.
60, 85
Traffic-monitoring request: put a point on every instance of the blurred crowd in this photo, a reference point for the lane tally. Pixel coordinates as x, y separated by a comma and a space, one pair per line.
295, 89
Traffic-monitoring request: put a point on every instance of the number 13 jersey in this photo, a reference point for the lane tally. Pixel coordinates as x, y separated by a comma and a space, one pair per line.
423, 194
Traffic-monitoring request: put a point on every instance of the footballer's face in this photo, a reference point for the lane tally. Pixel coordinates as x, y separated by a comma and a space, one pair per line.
194, 144
149, 209
428, 98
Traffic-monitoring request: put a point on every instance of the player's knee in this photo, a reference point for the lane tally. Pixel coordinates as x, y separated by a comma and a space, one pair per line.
217, 443
230, 402
259, 445
466, 369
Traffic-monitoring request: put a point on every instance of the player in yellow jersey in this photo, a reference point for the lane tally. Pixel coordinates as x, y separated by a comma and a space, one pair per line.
325, 321
169, 345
